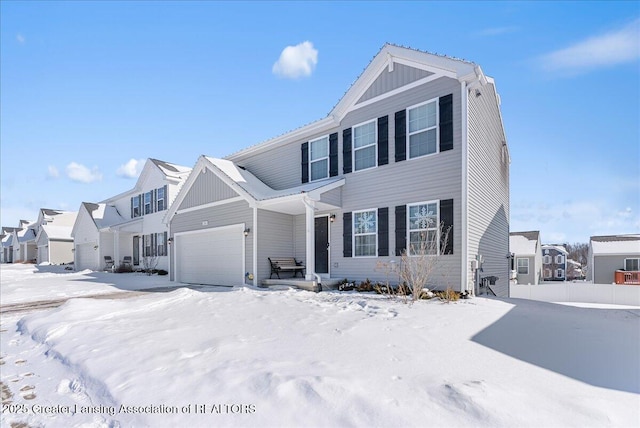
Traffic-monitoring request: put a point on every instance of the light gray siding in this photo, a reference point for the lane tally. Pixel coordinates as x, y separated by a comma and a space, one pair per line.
488, 188
604, 267
207, 188
60, 252
531, 277
275, 239
206, 218
388, 81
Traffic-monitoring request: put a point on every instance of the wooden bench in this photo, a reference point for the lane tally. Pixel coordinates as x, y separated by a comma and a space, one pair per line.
281, 264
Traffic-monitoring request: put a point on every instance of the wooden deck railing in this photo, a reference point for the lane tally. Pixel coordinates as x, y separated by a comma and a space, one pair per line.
627, 277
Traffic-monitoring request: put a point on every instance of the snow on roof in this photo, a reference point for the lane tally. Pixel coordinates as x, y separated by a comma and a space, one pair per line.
57, 232
26, 235
170, 168
103, 215
558, 248
616, 244
523, 243
256, 188
7, 241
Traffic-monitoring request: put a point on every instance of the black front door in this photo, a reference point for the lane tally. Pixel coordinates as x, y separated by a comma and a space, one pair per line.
322, 244
136, 250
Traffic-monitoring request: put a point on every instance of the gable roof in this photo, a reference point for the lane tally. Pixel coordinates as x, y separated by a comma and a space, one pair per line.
56, 233
253, 190
435, 66
103, 215
559, 248
524, 243
616, 244
171, 172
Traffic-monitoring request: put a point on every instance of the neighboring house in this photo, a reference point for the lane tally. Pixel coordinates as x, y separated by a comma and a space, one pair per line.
24, 242
416, 141
7, 244
574, 270
526, 261
554, 262
53, 239
129, 224
614, 259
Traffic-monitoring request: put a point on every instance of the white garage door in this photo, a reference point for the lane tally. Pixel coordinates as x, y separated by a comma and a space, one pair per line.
211, 256
85, 257
43, 254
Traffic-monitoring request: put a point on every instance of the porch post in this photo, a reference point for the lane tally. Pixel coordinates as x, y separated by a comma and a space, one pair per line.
310, 242
116, 249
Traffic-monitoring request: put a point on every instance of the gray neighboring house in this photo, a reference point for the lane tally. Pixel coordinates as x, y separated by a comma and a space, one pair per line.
7, 244
53, 236
554, 262
527, 257
614, 259
416, 141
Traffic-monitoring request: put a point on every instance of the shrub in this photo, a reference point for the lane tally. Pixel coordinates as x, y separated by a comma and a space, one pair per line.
448, 295
162, 272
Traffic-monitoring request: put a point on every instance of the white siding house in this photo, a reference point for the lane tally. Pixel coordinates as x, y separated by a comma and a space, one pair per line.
129, 224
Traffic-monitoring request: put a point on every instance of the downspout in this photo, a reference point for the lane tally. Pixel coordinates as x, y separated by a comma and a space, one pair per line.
310, 254
255, 246
465, 189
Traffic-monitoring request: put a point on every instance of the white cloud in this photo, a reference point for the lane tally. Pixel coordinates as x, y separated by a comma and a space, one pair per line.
21, 39
131, 169
615, 47
296, 61
82, 174
53, 172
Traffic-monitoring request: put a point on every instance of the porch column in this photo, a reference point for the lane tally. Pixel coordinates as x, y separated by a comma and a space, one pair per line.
310, 242
116, 249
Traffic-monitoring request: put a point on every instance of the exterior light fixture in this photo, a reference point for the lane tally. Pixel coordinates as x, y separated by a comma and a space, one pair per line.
246, 231
332, 218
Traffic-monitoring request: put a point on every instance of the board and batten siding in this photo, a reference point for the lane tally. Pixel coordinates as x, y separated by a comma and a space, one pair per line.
388, 81
207, 218
488, 189
207, 188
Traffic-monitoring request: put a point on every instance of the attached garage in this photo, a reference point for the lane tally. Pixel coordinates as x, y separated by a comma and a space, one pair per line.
211, 256
86, 257
43, 253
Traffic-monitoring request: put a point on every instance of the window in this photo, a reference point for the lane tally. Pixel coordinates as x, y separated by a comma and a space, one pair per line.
365, 233
547, 273
559, 259
364, 145
559, 273
160, 205
161, 247
319, 158
147, 202
632, 264
135, 207
523, 266
547, 260
423, 131
423, 228
148, 245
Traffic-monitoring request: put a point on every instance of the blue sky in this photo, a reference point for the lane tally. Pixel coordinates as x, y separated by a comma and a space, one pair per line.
87, 89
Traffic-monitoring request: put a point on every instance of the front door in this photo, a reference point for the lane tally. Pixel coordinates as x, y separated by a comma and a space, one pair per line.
322, 244
136, 250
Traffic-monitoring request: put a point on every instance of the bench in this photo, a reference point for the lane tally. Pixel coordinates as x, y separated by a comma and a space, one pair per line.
281, 264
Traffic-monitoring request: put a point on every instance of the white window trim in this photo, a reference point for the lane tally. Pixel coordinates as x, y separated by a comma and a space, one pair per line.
559, 273
133, 206
144, 202
548, 274
559, 259
320, 159
547, 259
437, 228
437, 128
353, 237
163, 199
631, 258
518, 266
353, 145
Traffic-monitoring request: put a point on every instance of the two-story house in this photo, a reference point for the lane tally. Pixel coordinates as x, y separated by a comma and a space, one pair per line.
614, 259
129, 224
416, 142
554, 262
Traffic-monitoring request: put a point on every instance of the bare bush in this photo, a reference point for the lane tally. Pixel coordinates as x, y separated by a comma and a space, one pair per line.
149, 264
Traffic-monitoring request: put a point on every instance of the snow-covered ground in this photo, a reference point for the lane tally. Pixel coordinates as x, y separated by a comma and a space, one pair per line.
290, 358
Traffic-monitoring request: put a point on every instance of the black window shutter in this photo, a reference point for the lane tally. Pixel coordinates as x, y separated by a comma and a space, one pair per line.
333, 154
144, 245
131, 207
165, 203
305, 162
401, 135
347, 250
401, 229
346, 150
446, 218
383, 231
383, 140
154, 198
446, 123
141, 203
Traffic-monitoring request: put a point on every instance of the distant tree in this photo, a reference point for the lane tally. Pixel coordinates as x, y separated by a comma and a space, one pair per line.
579, 251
